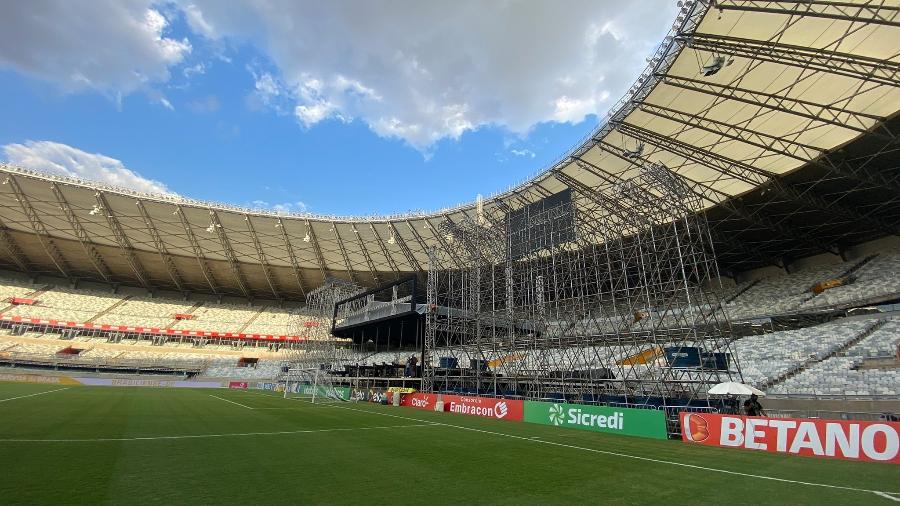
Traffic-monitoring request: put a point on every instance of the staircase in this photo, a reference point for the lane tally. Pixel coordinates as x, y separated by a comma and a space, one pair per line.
839, 351
740, 292
189, 311
849, 272
109, 309
30, 295
251, 320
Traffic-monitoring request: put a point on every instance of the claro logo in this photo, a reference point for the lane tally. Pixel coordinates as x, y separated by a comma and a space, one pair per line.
420, 402
696, 428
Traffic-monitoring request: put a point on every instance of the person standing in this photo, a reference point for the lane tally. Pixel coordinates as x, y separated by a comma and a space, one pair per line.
752, 407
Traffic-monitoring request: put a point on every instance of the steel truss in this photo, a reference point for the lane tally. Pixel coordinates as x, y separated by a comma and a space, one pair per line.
320, 350
580, 300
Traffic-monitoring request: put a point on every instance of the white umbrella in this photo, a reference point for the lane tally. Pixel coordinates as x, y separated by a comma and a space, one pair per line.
735, 388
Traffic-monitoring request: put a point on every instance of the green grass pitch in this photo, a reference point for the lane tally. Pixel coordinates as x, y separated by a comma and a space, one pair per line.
89, 445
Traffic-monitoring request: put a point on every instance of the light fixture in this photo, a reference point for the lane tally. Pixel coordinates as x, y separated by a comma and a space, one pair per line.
95, 210
636, 153
713, 68
306, 237
392, 240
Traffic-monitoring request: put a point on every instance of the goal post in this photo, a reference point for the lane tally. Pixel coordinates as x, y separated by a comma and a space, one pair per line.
313, 385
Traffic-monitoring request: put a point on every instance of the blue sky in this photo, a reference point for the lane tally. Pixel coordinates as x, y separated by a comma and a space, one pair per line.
312, 107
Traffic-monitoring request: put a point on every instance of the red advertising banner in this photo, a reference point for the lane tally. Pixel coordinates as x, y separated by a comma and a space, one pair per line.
421, 401
840, 439
237, 384
486, 407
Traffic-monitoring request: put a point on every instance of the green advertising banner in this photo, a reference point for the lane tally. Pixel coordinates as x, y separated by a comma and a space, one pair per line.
628, 421
342, 392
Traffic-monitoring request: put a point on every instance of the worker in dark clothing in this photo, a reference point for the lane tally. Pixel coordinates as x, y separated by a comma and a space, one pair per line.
752, 407
411, 366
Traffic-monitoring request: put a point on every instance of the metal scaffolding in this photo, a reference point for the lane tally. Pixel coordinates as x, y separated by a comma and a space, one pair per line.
606, 293
320, 350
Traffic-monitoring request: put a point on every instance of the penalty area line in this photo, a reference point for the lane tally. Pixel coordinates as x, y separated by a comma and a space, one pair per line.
535, 439
32, 395
205, 436
235, 403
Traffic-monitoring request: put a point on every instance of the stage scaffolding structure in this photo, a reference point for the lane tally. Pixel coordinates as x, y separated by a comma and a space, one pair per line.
310, 367
595, 294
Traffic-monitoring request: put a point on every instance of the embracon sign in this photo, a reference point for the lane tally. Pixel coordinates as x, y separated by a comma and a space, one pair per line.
841, 439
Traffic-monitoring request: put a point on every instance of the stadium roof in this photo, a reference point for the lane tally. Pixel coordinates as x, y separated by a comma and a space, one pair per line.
781, 114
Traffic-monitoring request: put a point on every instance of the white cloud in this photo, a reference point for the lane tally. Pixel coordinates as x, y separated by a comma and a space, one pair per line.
284, 207
165, 103
527, 153
194, 70
114, 46
425, 71
63, 160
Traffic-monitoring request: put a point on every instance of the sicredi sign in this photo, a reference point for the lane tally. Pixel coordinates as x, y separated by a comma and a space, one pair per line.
840, 439
649, 423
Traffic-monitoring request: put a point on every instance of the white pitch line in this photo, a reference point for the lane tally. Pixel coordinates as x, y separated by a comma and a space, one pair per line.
32, 395
226, 400
202, 436
637, 457
886, 495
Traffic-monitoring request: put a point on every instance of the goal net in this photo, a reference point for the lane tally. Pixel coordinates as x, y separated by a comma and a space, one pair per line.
313, 385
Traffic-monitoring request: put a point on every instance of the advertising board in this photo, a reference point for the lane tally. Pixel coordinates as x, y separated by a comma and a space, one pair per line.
840, 439
650, 423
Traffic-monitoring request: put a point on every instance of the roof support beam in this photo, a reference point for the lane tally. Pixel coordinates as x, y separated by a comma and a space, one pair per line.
733, 205
161, 248
413, 263
822, 113
337, 235
198, 252
292, 257
750, 174
261, 256
385, 252
440, 239
779, 145
123, 241
81, 234
858, 170
318, 251
869, 12
39, 229
864, 68
229, 255
365, 253
417, 236
8, 244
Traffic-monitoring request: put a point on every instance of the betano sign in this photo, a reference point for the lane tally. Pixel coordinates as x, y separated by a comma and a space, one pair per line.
841, 439
649, 423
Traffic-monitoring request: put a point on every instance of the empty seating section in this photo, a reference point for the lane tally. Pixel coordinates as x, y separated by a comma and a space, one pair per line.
274, 321
218, 318
876, 279
14, 288
781, 294
839, 376
764, 358
228, 368
146, 312
67, 305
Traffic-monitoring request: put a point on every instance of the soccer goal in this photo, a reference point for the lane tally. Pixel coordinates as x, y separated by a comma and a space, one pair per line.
313, 385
